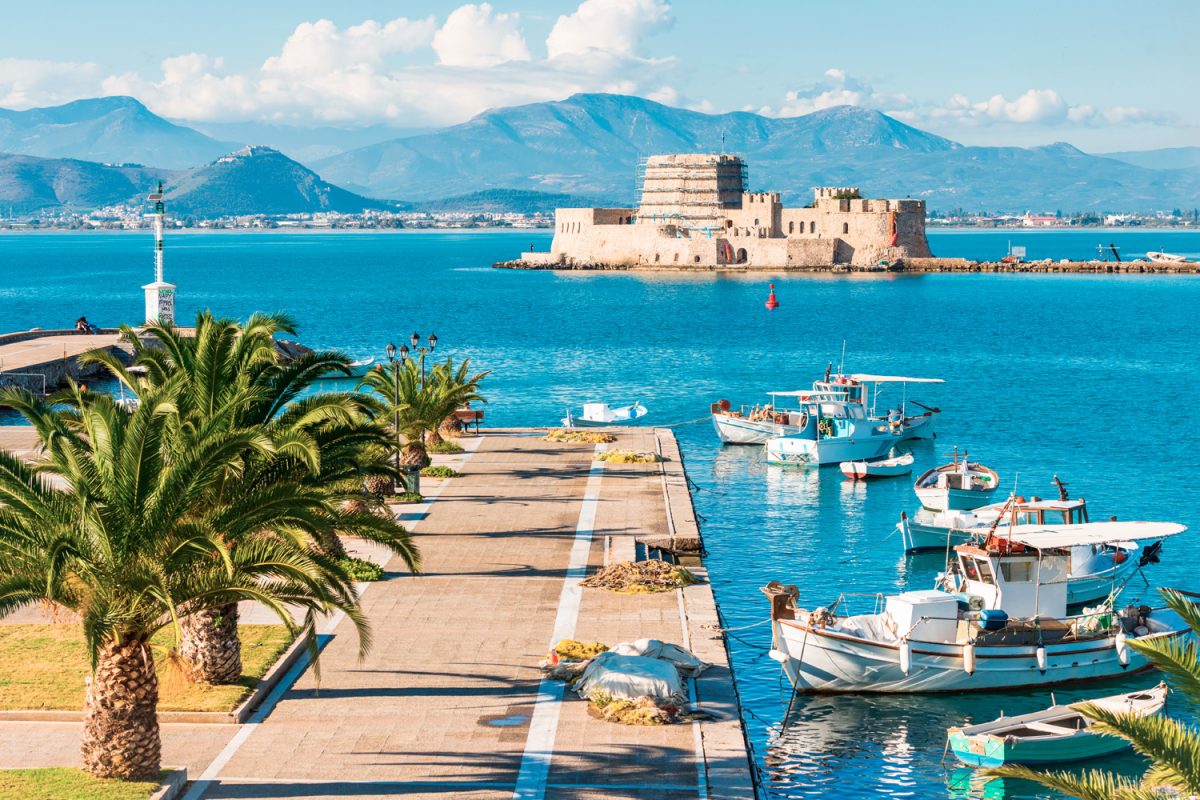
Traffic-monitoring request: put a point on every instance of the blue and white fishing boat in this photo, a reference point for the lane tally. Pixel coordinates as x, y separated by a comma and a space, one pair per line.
833, 431
961, 485
1060, 734
781, 416
1007, 628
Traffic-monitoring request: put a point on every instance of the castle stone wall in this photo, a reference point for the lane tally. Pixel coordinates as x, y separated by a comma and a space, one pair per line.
694, 213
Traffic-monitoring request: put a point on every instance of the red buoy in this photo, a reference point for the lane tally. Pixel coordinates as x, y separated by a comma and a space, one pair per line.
772, 303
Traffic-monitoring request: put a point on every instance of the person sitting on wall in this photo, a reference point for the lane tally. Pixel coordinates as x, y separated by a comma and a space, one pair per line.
83, 326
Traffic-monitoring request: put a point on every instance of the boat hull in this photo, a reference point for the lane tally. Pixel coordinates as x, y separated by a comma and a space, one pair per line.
739, 430
991, 751
817, 660
919, 427
865, 471
937, 498
917, 536
822, 452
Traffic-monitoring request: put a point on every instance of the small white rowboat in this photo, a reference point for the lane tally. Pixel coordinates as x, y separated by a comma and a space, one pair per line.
599, 415
883, 468
1059, 734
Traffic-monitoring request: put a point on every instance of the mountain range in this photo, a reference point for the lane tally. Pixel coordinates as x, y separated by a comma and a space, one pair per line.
584, 150
252, 180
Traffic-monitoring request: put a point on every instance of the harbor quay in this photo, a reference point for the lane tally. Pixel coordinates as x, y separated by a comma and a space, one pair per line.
451, 701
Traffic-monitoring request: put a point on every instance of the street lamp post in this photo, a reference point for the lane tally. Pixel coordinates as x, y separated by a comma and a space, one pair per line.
417, 348
391, 355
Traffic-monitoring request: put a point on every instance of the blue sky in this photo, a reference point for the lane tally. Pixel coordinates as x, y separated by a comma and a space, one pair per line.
1101, 75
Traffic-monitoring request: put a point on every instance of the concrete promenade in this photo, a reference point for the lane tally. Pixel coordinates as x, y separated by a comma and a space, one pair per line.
41, 361
450, 701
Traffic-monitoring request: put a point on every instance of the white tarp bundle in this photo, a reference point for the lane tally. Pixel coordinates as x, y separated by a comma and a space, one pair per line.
630, 677
687, 664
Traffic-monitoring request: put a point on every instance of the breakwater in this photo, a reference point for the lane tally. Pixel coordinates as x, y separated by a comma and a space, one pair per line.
914, 265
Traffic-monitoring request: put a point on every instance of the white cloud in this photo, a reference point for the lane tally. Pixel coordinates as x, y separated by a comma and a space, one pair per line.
321, 47
413, 71
1044, 107
837, 88
1037, 107
476, 36
614, 27
29, 82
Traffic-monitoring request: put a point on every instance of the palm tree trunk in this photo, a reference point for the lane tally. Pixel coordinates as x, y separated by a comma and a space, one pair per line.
433, 437
120, 728
414, 455
450, 428
211, 647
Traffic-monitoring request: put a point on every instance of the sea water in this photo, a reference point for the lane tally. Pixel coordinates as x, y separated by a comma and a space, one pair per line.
1090, 377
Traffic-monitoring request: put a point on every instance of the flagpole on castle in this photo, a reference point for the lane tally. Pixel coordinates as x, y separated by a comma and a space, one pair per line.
160, 295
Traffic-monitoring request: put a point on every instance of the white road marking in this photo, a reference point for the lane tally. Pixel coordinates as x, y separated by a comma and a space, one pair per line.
543, 724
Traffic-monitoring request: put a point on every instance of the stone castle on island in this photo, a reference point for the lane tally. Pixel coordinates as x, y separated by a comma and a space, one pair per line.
695, 212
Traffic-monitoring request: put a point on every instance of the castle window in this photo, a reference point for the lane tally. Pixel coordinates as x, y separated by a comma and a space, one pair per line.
656, 258
845, 227
677, 258
728, 224
697, 259
791, 227
741, 255
812, 226
756, 223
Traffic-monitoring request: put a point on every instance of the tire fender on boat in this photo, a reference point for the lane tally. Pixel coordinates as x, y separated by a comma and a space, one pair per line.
905, 656
969, 658
1122, 648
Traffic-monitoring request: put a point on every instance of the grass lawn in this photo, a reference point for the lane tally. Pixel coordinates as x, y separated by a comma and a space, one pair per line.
61, 783
44, 667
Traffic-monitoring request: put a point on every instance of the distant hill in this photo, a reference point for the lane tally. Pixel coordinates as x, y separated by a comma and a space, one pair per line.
112, 130
29, 184
254, 180
498, 201
259, 180
1165, 158
589, 144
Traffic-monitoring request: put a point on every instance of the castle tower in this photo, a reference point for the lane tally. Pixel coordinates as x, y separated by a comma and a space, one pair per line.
691, 190
160, 295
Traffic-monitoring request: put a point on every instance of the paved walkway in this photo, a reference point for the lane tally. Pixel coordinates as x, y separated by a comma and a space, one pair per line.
450, 702
15, 356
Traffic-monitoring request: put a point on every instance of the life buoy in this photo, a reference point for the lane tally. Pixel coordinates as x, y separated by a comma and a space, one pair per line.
1119, 557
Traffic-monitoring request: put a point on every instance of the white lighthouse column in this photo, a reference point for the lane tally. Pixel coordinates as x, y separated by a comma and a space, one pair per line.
160, 295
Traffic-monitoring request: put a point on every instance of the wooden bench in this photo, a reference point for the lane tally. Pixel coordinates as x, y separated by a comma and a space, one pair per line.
468, 417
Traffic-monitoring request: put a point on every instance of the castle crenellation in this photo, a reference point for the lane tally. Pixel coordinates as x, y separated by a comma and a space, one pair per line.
695, 212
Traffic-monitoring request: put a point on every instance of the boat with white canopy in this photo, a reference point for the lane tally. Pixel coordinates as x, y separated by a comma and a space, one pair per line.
831, 432
781, 416
1007, 627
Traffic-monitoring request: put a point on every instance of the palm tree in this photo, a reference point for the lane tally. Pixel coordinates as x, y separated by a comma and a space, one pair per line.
118, 523
460, 388
409, 403
229, 377
1172, 746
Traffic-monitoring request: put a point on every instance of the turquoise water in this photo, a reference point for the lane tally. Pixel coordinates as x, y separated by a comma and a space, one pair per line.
1091, 377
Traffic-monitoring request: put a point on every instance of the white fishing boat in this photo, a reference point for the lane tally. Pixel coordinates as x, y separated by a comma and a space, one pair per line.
781, 415
1056, 735
882, 468
936, 530
1159, 257
1008, 628
830, 432
961, 485
599, 415
358, 369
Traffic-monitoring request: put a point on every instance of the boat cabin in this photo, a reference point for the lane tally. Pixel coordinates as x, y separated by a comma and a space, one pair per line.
1036, 511
1021, 581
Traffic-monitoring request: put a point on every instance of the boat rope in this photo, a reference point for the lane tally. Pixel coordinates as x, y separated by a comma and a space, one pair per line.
695, 421
742, 628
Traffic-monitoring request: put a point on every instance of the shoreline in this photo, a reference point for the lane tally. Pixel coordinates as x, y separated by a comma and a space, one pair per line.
921, 266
